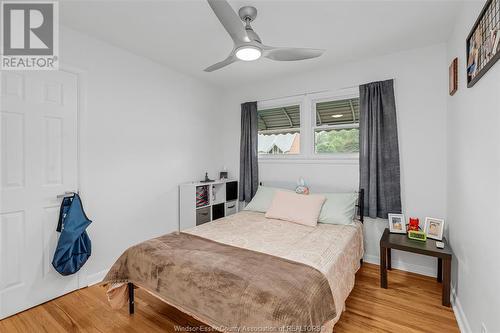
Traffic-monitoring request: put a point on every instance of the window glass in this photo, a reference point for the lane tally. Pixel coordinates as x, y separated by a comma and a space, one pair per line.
279, 130
337, 126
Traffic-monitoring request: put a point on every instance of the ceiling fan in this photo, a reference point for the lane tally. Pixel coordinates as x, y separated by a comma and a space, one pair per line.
247, 44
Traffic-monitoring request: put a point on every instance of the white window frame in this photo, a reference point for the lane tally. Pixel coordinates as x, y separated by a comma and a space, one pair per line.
328, 97
307, 106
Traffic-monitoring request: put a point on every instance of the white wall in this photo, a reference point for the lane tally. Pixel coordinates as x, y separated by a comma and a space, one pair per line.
420, 88
473, 195
145, 128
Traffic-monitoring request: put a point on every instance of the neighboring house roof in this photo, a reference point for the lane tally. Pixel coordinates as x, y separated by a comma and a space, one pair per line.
287, 143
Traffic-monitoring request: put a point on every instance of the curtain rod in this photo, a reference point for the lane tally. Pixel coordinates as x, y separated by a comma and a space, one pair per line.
315, 92
302, 94
307, 93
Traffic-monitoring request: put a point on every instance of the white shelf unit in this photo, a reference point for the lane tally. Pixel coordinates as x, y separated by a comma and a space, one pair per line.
220, 199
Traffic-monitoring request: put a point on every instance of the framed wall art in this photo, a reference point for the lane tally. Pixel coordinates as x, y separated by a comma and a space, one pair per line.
453, 77
483, 42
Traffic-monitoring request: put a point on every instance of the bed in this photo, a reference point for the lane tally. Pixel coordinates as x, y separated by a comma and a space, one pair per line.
304, 277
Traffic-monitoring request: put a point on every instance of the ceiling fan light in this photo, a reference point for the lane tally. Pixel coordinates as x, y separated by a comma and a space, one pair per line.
248, 53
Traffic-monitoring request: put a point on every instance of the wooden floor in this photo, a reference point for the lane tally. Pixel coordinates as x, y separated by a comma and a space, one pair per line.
411, 304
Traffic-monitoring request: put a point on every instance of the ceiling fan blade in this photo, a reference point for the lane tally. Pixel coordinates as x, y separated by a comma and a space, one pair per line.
291, 53
230, 20
229, 60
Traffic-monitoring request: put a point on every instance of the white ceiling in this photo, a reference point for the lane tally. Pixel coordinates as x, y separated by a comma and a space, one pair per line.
186, 35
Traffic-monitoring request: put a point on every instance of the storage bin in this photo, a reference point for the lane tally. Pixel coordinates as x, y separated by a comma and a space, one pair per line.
202, 215
231, 208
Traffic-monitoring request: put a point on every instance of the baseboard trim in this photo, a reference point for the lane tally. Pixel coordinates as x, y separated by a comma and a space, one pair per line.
463, 323
95, 278
418, 269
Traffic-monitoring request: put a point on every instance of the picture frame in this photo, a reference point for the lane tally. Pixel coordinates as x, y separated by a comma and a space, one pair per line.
397, 223
434, 228
483, 43
453, 77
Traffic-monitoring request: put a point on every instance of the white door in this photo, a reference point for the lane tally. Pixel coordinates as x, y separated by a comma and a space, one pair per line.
38, 162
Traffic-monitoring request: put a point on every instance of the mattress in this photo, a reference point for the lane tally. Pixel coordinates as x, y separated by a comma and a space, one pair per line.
334, 250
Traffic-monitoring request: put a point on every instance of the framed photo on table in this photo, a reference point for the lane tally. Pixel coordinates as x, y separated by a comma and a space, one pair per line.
434, 228
397, 223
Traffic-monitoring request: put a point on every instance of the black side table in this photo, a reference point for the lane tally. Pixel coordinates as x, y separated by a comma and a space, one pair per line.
403, 243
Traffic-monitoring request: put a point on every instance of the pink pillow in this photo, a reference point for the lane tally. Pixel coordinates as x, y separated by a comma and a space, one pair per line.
297, 208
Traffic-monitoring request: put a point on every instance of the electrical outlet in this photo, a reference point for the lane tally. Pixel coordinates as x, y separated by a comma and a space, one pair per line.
483, 328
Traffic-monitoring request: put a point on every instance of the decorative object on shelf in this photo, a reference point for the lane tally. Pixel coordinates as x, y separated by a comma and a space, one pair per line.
414, 224
483, 49
201, 196
453, 77
207, 180
417, 235
434, 228
397, 223
223, 175
301, 188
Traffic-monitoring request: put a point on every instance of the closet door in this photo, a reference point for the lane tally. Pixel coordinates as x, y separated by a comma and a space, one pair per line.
38, 162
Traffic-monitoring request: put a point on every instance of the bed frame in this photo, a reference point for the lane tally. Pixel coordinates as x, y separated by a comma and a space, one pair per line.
361, 211
359, 205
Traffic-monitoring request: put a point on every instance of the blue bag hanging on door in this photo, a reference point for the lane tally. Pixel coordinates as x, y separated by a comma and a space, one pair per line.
73, 247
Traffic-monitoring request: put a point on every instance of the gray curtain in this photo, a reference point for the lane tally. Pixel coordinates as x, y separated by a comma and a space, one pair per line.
249, 168
379, 150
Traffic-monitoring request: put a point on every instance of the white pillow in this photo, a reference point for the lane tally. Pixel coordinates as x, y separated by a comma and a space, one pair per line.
262, 199
339, 208
297, 208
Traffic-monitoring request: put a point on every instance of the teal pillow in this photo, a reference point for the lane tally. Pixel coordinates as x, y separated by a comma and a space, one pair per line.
262, 199
339, 208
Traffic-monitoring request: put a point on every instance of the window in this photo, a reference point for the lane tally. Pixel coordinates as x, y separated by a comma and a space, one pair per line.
336, 129
279, 130
321, 126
